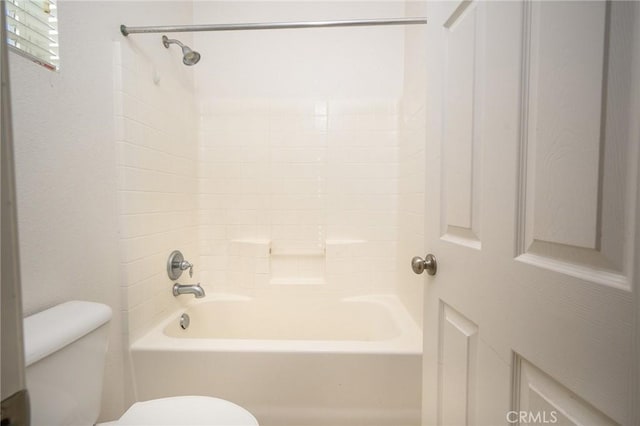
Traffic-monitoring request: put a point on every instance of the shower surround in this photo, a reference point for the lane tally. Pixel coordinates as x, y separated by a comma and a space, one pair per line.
157, 180
297, 192
272, 176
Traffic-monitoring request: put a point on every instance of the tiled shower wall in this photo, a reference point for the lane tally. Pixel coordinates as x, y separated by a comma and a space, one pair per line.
298, 193
157, 179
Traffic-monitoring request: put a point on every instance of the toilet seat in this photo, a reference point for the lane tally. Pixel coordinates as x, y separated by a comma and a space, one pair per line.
186, 411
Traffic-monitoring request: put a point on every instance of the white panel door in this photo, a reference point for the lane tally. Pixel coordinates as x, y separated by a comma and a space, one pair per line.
532, 183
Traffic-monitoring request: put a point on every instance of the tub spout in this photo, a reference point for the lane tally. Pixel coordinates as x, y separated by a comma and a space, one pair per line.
195, 289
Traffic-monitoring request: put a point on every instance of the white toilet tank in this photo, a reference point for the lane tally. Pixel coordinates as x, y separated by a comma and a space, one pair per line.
65, 348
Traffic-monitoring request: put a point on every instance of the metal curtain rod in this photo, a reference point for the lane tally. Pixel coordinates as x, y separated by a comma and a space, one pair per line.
125, 30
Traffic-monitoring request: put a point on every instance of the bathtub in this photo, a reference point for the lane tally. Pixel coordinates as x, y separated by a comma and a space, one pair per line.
329, 362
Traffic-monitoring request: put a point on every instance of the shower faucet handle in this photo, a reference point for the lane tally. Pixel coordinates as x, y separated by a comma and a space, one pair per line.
176, 264
184, 265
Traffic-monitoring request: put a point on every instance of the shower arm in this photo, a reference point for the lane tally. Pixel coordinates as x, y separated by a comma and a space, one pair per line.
125, 30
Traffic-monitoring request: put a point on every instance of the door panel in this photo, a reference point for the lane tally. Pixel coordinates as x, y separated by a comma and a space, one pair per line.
549, 401
458, 362
563, 69
573, 168
531, 183
460, 139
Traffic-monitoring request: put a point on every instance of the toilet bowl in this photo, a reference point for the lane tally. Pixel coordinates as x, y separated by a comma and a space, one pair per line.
65, 351
185, 410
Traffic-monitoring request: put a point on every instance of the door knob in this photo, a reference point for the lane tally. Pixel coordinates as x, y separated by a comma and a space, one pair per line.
429, 264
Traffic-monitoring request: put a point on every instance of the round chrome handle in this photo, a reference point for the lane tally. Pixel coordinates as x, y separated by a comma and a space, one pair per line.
176, 264
429, 263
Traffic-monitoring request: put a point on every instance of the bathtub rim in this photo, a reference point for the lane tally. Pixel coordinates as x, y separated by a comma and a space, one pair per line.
408, 342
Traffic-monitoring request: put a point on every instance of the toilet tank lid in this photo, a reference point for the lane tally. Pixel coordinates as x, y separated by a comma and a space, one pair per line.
52, 329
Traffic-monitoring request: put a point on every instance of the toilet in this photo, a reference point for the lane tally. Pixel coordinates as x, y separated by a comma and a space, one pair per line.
65, 349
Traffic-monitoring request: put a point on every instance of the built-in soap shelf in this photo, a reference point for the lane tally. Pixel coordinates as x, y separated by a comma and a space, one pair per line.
297, 263
255, 262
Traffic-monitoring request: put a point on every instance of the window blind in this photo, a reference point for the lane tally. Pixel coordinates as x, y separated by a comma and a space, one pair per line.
32, 30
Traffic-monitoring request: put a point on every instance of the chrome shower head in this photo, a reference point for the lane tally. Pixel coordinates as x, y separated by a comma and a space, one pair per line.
189, 57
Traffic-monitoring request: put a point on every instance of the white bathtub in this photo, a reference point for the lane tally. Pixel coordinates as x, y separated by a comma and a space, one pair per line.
354, 361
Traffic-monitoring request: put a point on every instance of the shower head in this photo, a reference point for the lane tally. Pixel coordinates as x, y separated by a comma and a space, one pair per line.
189, 57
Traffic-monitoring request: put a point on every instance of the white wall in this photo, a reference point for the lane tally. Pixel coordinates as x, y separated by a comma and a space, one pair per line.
66, 167
363, 62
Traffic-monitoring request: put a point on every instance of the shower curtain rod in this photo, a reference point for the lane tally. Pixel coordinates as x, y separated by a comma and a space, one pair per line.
125, 30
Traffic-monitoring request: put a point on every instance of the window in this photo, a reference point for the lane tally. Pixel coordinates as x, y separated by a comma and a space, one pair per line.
32, 30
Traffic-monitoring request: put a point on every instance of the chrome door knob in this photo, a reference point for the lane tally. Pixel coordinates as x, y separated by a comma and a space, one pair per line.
429, 263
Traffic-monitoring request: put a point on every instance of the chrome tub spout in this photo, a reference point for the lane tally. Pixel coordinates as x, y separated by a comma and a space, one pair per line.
194, 289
